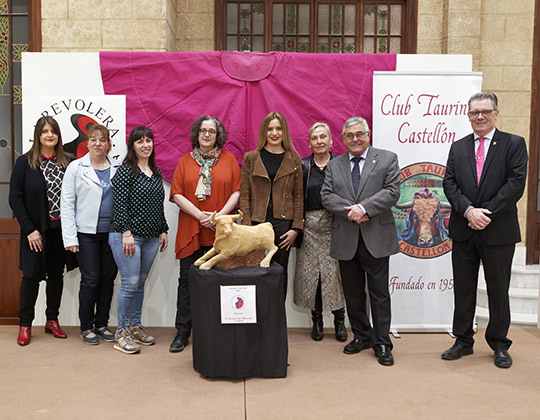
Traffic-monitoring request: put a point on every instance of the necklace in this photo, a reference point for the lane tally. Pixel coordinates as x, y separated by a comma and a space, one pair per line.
48, 157
323, 165
145, 169
100, 165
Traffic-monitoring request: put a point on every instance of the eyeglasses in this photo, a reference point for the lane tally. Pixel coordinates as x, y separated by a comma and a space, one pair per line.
358, 134
485, 114
210, 132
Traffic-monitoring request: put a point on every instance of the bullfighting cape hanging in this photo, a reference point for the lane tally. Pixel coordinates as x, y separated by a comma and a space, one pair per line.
169, 91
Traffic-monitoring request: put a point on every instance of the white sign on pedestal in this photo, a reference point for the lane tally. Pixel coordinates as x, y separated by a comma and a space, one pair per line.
238, 304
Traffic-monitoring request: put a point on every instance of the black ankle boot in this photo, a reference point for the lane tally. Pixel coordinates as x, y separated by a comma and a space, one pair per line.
339, 325
317, 330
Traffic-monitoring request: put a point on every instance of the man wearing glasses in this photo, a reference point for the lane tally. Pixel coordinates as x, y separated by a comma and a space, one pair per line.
485, 177
360, 188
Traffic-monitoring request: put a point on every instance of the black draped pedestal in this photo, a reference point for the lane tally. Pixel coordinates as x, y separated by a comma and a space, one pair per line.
239, 350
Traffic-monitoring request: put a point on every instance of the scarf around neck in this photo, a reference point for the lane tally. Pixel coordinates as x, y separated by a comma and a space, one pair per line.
206, 161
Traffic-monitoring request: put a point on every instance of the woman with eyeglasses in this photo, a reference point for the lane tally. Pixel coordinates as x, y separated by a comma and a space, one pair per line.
317, 280
34, 197
205, 181
271, 189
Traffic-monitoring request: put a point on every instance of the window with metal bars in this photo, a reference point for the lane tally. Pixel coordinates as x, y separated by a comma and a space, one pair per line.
20, 31
325, 26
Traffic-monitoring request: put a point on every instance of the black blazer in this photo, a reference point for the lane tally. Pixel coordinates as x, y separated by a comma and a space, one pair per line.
28, 200
501, 186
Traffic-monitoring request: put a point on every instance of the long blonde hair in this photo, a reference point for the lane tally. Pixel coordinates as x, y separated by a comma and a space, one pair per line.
287, 142
34, 154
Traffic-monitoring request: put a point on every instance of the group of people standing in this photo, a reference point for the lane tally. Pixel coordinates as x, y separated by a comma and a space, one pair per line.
107, 217
95, 213
269, 188
335, 210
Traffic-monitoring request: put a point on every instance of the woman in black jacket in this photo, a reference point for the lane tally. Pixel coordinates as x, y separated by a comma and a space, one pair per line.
34, 197
317, 281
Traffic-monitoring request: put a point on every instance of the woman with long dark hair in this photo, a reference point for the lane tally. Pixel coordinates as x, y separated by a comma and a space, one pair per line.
271, 188
87, 207
138, 229
205, 181
34, 197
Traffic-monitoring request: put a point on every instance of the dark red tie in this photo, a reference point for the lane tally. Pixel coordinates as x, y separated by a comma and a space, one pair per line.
480, 155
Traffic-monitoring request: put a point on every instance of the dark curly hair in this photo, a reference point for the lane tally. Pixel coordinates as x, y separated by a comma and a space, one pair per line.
221, 132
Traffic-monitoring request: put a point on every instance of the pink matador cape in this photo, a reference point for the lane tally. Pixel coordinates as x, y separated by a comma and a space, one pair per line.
168, 91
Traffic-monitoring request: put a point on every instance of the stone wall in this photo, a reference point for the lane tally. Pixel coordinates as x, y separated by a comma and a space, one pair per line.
102, 25
194, 25
127, 25
500, 39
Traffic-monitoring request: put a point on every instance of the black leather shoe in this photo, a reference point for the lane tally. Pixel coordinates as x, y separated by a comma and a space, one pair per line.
317, 329
456, 351
384, 355
179, 343
356, 346
502, 359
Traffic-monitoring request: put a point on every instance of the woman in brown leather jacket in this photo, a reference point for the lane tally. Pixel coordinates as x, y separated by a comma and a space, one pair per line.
271, 186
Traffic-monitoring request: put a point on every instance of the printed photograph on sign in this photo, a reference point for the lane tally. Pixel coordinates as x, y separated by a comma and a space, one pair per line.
422, 212
75, 115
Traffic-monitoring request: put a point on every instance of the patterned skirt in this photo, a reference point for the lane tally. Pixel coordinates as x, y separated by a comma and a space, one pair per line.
313, 259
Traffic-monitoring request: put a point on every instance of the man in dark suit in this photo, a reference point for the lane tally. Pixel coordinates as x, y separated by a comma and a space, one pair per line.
485, 177
360, 187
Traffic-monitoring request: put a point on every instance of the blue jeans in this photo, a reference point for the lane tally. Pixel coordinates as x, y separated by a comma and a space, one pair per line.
98, 271
133, 272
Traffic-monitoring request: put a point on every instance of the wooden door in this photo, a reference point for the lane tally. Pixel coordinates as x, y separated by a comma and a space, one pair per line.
14, 16
10, 273
533, 198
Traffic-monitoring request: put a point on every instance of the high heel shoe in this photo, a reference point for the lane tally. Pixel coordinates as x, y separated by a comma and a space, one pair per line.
24, 336
52, 327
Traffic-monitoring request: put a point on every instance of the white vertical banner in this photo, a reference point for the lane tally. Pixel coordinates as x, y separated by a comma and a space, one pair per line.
419, 116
